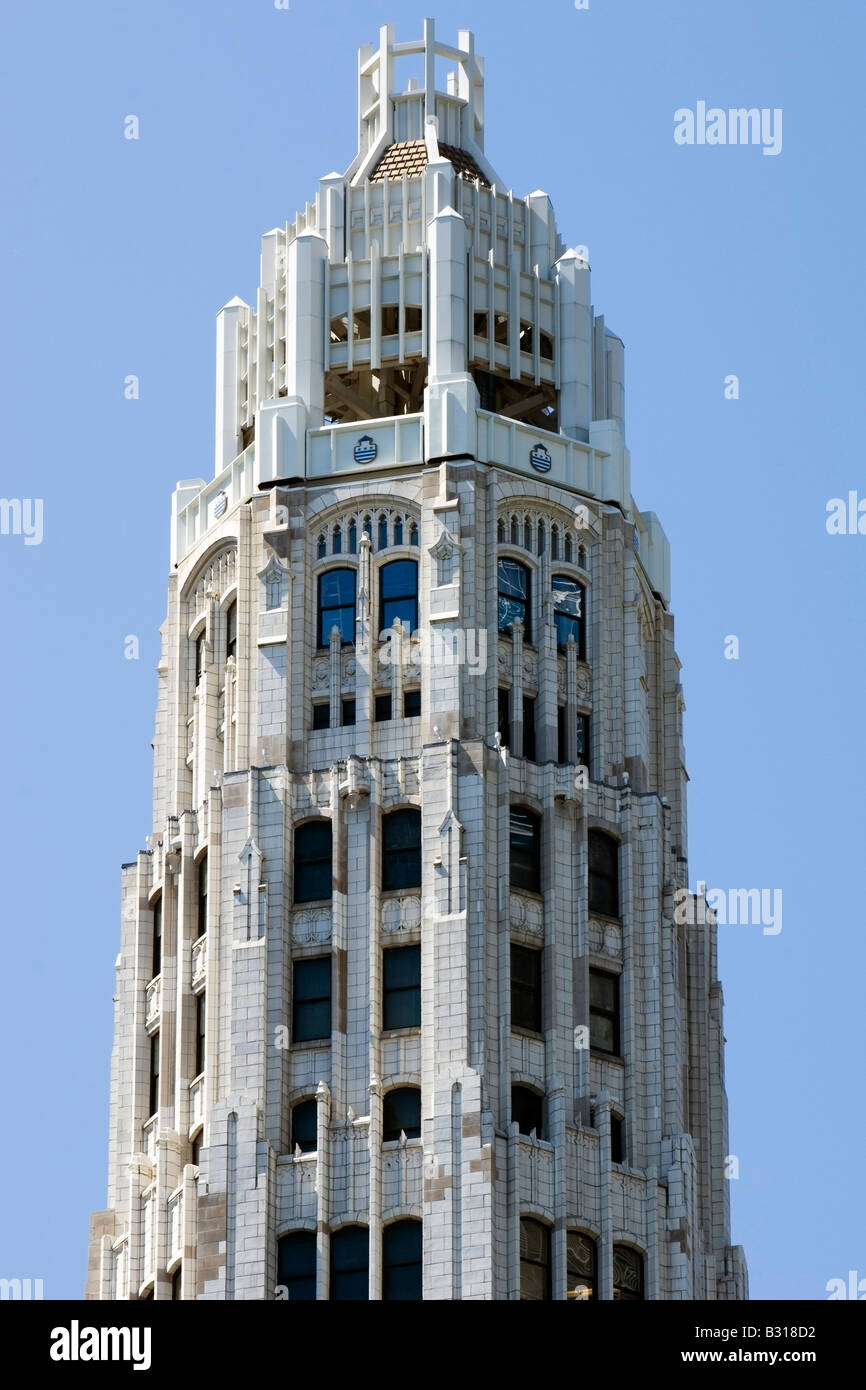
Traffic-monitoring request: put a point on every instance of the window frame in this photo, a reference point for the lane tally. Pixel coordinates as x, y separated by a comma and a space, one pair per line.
524, 864
309, 1105
394, 878
337, 1239
304, 830
298, 966
530, 990
200, 1032
523, 603
393, 993
390, 1132
398, 598
612, 1015
602, 883
570, 1269
560, 612
306, 1241
391, 1266
520, 1094
323, 637
629, 1297
545, 1264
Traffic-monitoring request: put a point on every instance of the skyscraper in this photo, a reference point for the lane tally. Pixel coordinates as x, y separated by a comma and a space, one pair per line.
404, 1006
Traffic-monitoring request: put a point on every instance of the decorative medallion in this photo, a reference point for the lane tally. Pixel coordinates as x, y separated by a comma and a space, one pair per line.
366, 449
220, 505
540, 459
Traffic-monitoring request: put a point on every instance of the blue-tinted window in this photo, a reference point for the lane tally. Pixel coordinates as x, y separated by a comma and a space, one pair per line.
398, 594
525, 849
514, 595
296, 1266
336, 605
568, 611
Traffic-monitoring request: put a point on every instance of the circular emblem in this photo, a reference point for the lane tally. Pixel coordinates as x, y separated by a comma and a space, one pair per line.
366, 449
540, 459
220, 505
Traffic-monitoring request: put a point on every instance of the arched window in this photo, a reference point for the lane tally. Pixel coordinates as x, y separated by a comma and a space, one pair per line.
336, 605
603, 874
398, 594
353, 537
554, 542
402, 1261
581, 556
568, 611
201, 904
527, 535
514, 596
313, 850
413, 534
337, 541
383, 531
541, 537
627, 1274
350, 1262
515, 534
581, 1266
525, 849
231, 630
200, 1034
527, 1108
534, 1261
156, 955
500, 530
321, 549
401, 849
398, 530
401, 1113
200, 642
304, 1126
296, 1266
568, 548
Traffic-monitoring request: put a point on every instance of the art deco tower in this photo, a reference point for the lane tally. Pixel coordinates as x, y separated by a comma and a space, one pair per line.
402, 1005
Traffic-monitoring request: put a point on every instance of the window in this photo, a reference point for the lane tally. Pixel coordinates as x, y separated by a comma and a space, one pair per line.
525, 849
337, 541
581, 1265
383, 708
413, 534
402, 1261
627, 1274
304, 1127
616, 1146
383, 532
321, 716
311, 999
336, 605
561, 734
156, 960
353, 537
313, 852
398, 530
534, 1261
398, 595
603, 874
413, 318
231, 630
348, 713
401, 849
200, 642
504, 717
583, 741
514, 595
176, 1279
412, 704
296, 1266
604, 1012
153, 1097
526, 988
527, 1108
401, 1113
529, 728
350, 1259
199, 1033
195, 1148
201, 904
568, 610
401, 1002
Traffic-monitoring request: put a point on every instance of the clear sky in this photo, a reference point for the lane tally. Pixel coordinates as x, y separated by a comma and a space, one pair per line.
707, 261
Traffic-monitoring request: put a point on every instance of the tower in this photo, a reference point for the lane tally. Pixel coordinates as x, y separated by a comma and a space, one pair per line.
407, 1001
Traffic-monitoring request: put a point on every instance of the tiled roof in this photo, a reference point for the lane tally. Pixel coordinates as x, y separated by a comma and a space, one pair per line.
410, 157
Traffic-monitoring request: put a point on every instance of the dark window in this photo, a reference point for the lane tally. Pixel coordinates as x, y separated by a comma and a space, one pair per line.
353, 537
529, 728
199, 655
604, 1012
401, 849
348, 713
401, 1002
232, 630
583, 741
176, 1282
398, 530
153, 1097
337, 541
527, 1108
526, 988
383, 708
413, 534
402, 1246
514, 593
603, 874
398, 594
534, 1261
412, 704
336, 605
401, 1112
627, 1274
569, 602
350, 1259
199, 1033
311, 1001
321, 548
561, 729
383, 532
321, 716
617, 1151
156, 961
582, 1265
525, 849
195, 1147
304, 1127
296, 1266
313, 852
413, 318
201, 915
505, 717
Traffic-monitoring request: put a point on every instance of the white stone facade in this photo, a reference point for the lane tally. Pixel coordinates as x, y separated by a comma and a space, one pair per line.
421, 379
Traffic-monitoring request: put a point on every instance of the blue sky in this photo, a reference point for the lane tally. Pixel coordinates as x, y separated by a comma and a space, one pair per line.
706, 260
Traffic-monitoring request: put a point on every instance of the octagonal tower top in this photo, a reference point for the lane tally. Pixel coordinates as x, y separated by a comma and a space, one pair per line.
445, 105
